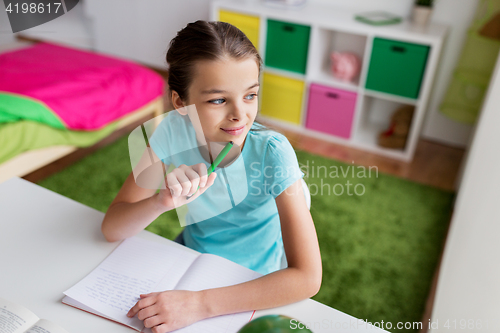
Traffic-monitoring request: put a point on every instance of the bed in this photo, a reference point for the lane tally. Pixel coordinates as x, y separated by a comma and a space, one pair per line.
55, 99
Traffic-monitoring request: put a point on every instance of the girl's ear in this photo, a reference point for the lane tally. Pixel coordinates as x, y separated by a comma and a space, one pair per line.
182, 111
178, 104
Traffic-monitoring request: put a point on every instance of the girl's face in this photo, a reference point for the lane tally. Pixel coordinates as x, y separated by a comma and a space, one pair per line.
225, 95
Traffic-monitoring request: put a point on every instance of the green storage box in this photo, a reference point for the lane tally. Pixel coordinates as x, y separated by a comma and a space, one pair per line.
397, 67
286, 46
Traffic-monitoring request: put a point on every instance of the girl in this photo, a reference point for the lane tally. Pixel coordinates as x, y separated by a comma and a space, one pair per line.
213, 66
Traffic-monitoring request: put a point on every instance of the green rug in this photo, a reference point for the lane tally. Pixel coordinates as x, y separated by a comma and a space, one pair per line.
380, 239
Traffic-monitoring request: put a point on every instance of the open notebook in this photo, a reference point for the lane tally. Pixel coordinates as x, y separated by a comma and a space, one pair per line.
15, 318
139, 266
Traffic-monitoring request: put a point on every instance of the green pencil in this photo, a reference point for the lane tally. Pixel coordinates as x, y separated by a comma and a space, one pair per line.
215, 163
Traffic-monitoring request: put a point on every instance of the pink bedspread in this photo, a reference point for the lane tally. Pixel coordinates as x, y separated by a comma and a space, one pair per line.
84, 89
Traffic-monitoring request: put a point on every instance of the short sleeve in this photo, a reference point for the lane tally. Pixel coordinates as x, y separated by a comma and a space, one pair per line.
281, 168
160, 139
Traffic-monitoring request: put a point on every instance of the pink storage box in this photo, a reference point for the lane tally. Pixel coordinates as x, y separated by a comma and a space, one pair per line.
330, 110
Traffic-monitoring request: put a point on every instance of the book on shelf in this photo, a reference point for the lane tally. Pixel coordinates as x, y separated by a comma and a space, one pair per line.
15, 318
138, 266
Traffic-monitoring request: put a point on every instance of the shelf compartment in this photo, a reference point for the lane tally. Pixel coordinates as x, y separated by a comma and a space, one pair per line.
390, 97
375, 118
330, 110
287, 45
397, 67
328, 41
285, 73
247, 23
328, 80
281, 98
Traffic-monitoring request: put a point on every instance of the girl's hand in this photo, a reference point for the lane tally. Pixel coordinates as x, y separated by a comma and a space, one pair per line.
184, 181
169, 310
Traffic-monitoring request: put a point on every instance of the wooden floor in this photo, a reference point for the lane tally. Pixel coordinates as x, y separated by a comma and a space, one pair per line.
434, 164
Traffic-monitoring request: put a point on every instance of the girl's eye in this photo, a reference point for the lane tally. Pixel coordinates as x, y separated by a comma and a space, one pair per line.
217, 101
251, 96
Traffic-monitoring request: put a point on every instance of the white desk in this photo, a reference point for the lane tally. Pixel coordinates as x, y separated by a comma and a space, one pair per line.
49, 242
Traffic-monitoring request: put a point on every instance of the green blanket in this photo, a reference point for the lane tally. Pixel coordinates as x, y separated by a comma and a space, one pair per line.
20, 136
15, 107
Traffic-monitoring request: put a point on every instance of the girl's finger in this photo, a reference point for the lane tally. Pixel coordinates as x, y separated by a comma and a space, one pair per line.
201, 169
194, 177
180, 182
183, 174
173, 184
210, 182
142, 303
160, 329
152, 321
211, 179
147, 312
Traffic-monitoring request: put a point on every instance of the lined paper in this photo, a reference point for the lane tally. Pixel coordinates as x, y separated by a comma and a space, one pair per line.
14, 317
45, 326
211, 271
135, 267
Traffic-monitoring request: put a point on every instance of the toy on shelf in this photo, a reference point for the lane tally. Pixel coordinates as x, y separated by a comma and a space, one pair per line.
345, 65
397, 133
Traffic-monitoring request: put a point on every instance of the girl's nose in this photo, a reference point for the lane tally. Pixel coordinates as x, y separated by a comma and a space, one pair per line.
237, 112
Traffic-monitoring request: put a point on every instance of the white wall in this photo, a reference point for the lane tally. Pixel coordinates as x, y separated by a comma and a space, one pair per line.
70, 29
133, 29
469, 280
458, 15
399, 7
141, 30
6, 35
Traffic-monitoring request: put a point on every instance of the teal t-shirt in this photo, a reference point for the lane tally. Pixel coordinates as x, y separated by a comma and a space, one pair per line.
237, 217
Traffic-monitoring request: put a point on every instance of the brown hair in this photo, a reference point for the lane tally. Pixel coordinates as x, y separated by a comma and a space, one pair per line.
204, 40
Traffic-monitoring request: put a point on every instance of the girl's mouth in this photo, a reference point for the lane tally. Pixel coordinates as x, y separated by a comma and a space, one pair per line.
234, 130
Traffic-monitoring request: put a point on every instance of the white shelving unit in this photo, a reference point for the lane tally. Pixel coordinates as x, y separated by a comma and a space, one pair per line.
332, 29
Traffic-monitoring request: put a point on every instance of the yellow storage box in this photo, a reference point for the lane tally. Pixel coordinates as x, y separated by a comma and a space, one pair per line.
246, 23
281, 98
